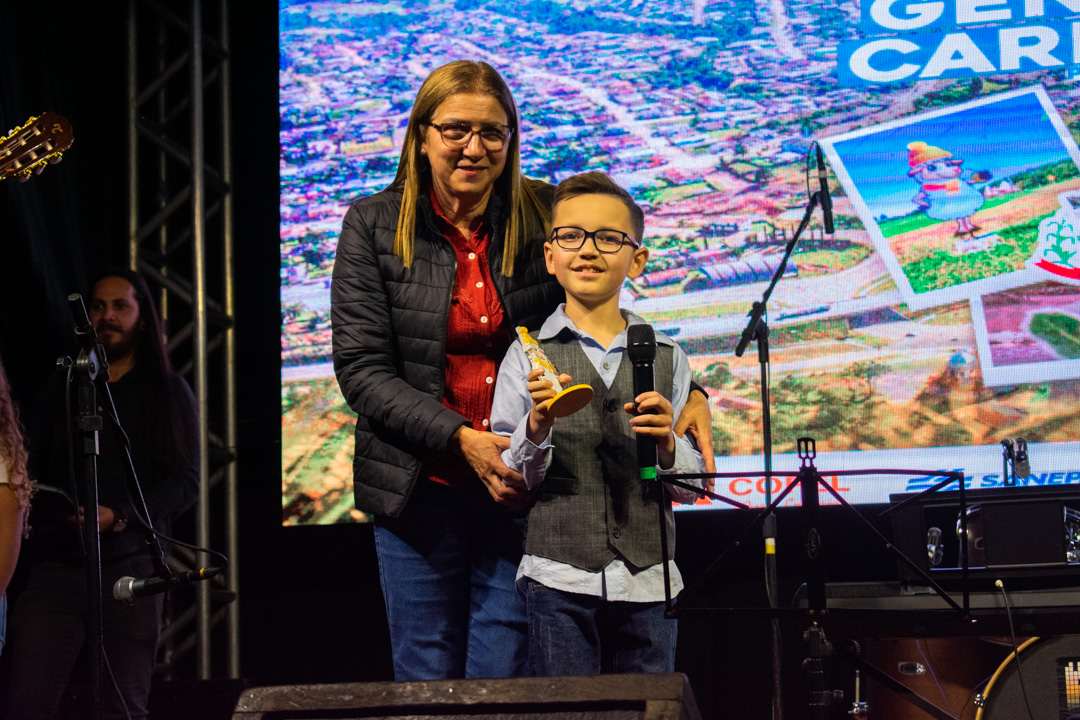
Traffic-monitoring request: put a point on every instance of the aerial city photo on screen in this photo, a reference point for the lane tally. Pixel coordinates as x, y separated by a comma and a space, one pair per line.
941, 316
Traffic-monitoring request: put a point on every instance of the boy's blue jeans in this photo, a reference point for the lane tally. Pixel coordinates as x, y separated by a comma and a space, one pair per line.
572, 634
447, 572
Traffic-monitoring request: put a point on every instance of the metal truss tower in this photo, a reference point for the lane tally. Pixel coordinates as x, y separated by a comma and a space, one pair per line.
180, 239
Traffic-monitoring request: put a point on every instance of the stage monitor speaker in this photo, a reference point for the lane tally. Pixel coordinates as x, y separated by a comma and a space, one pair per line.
603, 697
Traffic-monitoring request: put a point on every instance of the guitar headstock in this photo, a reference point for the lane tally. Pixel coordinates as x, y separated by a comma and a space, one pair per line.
26, 150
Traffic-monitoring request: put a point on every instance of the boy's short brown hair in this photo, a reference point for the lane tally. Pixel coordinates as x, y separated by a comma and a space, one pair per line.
599, 183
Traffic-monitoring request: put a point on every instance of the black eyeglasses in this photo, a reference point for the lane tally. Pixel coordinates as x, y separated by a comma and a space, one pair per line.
458, 135
606, 241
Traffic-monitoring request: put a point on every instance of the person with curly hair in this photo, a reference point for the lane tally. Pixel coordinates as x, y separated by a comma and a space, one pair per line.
14, 493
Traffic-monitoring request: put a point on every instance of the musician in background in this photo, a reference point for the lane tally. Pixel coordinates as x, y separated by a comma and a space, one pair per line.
157, 410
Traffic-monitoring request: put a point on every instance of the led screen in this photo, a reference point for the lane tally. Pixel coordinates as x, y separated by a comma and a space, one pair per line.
943, 314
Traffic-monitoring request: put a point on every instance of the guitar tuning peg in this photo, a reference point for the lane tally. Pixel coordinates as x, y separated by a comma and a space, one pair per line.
24, 177
38, 170
55, 159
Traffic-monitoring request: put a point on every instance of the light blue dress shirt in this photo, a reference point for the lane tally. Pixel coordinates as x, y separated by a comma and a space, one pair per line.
619, 580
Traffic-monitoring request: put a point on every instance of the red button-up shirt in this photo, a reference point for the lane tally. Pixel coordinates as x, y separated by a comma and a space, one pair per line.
476, 341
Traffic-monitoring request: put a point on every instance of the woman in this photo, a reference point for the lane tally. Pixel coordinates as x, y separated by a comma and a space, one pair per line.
14, 493
431, 277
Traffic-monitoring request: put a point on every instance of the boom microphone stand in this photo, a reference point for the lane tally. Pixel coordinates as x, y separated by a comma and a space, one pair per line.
757, 329
87, 367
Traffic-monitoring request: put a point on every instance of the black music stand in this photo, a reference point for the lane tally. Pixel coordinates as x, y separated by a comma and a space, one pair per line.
809, 479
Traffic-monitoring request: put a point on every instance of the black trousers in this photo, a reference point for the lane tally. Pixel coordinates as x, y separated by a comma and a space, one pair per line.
47, 632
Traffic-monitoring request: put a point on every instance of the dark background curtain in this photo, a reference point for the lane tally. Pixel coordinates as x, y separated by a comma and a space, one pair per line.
60, 227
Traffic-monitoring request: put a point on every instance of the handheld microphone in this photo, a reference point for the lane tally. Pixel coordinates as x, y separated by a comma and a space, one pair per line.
128, 590
641, 348
826, 199
1020, 461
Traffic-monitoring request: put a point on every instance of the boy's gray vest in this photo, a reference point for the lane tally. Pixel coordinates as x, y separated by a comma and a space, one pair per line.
592, 502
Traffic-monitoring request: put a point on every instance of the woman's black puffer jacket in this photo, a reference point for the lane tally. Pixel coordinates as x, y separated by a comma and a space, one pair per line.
389, 335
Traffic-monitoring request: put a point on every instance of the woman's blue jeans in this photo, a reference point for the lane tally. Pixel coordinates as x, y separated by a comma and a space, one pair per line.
447, 568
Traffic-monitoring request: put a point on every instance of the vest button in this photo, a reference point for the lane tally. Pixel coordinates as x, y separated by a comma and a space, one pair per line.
615, 533
611, 406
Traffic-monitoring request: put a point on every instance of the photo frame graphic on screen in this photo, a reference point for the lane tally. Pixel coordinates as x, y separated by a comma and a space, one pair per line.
941, 317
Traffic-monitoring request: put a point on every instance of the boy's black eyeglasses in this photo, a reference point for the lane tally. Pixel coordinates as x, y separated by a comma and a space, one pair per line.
458, 135
606, 241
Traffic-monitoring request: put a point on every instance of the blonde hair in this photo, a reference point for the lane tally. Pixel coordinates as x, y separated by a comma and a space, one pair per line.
12, 448
526, 214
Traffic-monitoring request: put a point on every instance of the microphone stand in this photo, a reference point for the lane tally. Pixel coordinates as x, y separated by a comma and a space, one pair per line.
90, 368
87, 368
1008, 465
758, 329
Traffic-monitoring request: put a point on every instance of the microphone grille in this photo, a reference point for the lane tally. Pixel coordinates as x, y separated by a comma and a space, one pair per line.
123, 590
641, 343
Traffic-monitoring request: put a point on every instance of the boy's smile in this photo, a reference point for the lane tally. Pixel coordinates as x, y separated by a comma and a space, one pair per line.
590, 277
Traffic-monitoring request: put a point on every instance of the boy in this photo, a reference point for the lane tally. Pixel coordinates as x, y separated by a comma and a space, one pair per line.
592, 574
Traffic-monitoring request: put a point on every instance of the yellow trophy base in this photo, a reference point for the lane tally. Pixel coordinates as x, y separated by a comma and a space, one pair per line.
570, 400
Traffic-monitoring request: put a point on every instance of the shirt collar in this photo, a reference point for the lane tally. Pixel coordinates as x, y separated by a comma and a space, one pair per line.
479, 224
559, 321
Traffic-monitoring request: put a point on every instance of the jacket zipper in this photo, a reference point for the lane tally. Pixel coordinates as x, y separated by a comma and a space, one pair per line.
446, 325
